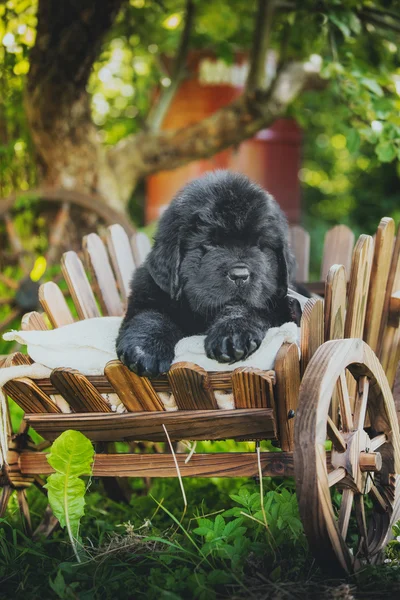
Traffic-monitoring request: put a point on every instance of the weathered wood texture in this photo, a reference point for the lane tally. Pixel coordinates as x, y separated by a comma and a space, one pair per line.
237, 464
191, 387
253, 388
383, 251
122, 260
98, 265
335, 303
79, 286
141, 246
338, 249
136, 393
287, 368
300, 244
53, 302
80, 394
311, 330
255, 423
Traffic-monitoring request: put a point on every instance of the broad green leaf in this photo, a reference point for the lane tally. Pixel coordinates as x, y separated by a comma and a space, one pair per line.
372, 85
71, 454
67, 500
353, 140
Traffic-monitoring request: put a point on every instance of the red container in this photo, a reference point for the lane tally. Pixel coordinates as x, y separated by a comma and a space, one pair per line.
271, 158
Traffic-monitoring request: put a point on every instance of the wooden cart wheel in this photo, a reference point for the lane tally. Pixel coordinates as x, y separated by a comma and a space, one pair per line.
57, 221
348, 496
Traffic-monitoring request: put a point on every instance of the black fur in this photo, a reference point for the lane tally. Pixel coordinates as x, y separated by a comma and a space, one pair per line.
214, 224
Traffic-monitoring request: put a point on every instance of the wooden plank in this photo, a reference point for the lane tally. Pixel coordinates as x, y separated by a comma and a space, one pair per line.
394, 309
287, 369
234, 464
300, 244
97, 262
358, 287
141, 246
136, 393
79, 286
121, 255
335, 303
33, 321
253, 388
191, 387
338, 249
311, 330
80, 394
384, 241
242, 424
25, 392
389, 347
54, 304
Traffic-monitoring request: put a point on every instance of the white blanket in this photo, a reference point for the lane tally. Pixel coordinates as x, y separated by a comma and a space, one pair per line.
89, 345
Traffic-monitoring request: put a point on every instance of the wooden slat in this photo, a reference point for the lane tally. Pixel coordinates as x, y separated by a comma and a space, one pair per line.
254, 423
25, 392
80, 394
235, 464
287, 369
54, 304
97, 262
311, 330
394, 309
121, 255
300, 244
335, 303
136, 393
383, 251
191, 387
338, 249
358, 287
33, 321
141, 246
253, 388
389, 347
79, 286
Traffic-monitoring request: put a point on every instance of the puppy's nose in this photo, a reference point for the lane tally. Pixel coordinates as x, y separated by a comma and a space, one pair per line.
239, 274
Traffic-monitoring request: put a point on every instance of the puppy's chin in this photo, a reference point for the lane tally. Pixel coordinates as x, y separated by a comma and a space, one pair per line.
210, 299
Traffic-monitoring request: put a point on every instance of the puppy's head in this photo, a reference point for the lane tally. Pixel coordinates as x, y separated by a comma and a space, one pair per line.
222, 240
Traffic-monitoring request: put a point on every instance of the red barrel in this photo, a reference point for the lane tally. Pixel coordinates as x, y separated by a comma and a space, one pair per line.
271, 158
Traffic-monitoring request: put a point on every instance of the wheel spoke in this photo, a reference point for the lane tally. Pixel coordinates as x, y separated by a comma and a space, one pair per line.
345, 511
378, 500
344, 403
377, 442
360, 408
336, 475
335, 436
361, 522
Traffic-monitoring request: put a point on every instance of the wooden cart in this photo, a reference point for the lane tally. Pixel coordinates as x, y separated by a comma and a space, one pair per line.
332, 413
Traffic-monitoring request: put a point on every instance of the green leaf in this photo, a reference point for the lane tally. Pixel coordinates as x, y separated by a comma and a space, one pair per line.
372, 85
340, 25
386, 151
71, 454
234, 528
353, 141
219, 525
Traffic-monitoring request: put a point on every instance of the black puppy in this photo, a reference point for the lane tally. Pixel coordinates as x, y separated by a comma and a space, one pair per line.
219, 266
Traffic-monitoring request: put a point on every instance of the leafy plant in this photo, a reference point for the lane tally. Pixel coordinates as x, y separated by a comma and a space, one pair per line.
71, 456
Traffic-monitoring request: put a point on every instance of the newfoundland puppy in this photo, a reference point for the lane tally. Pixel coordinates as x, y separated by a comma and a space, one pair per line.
220, 266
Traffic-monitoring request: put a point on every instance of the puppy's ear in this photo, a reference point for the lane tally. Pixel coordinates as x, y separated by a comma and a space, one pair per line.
283, 277
164, 261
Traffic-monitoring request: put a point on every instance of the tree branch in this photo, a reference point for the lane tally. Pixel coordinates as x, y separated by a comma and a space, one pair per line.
256, 79
145, 153
158, 112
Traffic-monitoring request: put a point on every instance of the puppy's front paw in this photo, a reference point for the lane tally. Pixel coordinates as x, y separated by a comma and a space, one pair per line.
227, 344
146, 362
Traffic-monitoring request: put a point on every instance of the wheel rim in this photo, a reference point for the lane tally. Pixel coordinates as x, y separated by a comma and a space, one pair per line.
347, 497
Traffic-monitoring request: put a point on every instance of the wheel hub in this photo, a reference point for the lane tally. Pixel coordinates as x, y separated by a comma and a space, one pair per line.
358, 461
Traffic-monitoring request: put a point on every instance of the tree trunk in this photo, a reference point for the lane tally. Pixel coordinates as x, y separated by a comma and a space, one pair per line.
69, 150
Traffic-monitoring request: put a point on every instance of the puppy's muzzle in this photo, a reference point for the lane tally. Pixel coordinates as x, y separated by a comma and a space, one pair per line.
239, 274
